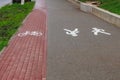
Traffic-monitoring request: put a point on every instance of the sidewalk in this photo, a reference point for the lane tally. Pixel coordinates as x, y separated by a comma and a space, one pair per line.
25, 56
4, 2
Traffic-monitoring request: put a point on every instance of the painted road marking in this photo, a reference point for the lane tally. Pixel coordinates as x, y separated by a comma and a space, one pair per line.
32, 33
72, 33
96, 31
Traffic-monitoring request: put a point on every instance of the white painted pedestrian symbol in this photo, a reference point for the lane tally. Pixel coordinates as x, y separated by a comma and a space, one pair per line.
72, 33
32, 33
96, 31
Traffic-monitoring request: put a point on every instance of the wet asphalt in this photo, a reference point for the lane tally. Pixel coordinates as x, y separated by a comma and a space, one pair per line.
86, 56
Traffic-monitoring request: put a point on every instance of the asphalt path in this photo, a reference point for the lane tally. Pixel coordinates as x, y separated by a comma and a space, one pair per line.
83, 55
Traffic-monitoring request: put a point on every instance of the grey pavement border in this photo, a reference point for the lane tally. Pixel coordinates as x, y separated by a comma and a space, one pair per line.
101, 13
8, 3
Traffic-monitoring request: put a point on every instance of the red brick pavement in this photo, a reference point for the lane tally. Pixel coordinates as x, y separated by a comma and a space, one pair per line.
25, 57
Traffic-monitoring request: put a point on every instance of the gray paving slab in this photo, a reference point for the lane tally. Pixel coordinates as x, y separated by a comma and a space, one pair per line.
85, 57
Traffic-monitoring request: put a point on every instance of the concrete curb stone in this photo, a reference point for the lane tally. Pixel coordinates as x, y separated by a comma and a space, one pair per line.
101, 13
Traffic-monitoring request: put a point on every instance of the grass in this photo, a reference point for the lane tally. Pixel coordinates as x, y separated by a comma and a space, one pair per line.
11, 17
110, 5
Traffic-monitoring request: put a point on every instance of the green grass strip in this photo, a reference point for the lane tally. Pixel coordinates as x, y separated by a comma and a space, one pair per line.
110, 5
11, 17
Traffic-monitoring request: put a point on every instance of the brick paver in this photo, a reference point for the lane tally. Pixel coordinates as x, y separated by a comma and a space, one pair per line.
25, 57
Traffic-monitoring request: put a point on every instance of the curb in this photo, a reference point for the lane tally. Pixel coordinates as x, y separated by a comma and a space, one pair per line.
101, 13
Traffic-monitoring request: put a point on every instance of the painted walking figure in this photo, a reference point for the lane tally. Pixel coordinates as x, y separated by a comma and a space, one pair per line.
72, 33
96, 31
